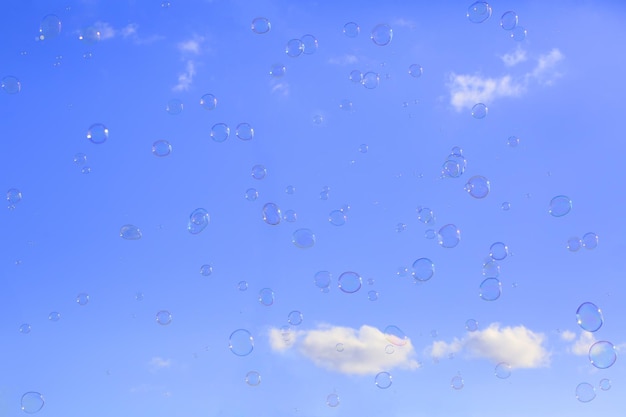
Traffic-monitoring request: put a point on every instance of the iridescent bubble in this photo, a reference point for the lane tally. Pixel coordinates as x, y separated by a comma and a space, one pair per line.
351, 30
345, 105
271, 214
498, 251
425, 215
242, 285
356, 76
303, 238
290, 216
508, 21
82, 298
25, 328
220, 132
339, 347
244, 131
266, 297
589, 317
54, 316
477, 186
349, 282
574, 243
478, 12
370, 80
383, 380
50, 27
161, 148
332, 400
602, 354
174, 107
506, 206
253, 378
590, 240
208, 101
471, 325
423, 269
490, 289
260, 25
503, 370
585, 392
258, 172
322, 279
395, 335
479, 111
163, 317
512, 141
309, 44
11, 85
294, 48
372, 295
206, 270
241, 342
80, 159
518, 33
381, 35
449, 236
130, 232
198, 221
605, 384
97, 133
32, 402
252, 194
491, 269
337, 218
457, 382
560, 206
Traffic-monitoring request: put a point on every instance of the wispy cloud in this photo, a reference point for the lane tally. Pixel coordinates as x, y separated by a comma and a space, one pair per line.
189, 49
363, 350
347, 59
157, 363
130, 31
513, 58
581, 346
185, 78
193, 45
568, 336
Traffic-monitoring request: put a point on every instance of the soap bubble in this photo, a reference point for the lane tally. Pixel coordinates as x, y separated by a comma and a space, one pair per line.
356, 76
560, 206
54, 316
381, 35
260, 25
512, 141
80, 158
295, 318
11, 85
139, 296
208, 102
471, 325
241, 342
290, 189
25, 328
85, 170
491, 269
585, 392
271, 214
503, 370
590, 240
198, 221
252, 194
430, 234
490, 289
294, 48
605, 384
242, 285
389, 349
574, 243
449, 236
258, 172
423, 269
82, 298
266, 297
130, 232
290, 216
478, 12
309, 44
174, 107
351, 30
349, 282
206, 270
425, 215
372, 295
32, 402
97, 133
244, 131
498, 251
395, 335
332, 400
14, 196
518, 33
479, 111
303, 238
89, 35
339, 347
416, 70
589, 317
370, 80
50, 27
163, 317
220, 132
400, 227
253, 378
345, 105
322, 279
161, 148
506, 206
337, 218
602, 354
457, 382
383, 380
478, 186
508, 21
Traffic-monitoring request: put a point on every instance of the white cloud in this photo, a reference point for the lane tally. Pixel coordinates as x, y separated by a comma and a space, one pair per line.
363, 349
281, 88
129, 31
582, 344
347, 59
518, 346
514, 58
192, 46
186, 77
157, 363
544, 72
568, 336
105, 29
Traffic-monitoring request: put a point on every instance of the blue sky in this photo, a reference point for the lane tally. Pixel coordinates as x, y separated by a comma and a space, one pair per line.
375, 153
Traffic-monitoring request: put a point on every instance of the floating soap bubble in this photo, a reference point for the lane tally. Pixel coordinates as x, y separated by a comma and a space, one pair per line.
25, 328
206, 270
430, 234
395, 335
490, 289
425, 215
389, 349
503, 370
258, 172
449, 236
451, 169
266, 297
85, 170
370, 80
337, 218
14, 196
161, 148
322, 279
491, 269
471, 325
351, 30
80, 159
478, 12
252, 194
163, 317
198, 221
602, 354
82, 298
345, 105
241, 342
294, 318
383, 380
574, 243
381, 35
589, 317
294, 48
518, 33
400, 227
11, 85
50, 27
349, 282
506, 206
244, 131
130, 232
512, 141
271, 214
332, 400
54, 316
585, 392
479, 111
318, 119
498, 251
220, 132
508, 21
139, 296
97, 133
457, 382
290, 216
363, 148
477, 186
174, 107
290, 189
32, 402
208, 101
253, 378
303, 238
416, 70
372, 295
560, 206
356, 76
309, 44
278, 70
242, 285
605, 384
260, 25
590, 240
339, 347
89, 35
423, 269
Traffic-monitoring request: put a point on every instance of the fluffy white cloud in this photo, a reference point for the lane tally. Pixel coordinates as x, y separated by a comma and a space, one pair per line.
514, 58
192, 45
583, 343
568, 336
363, 350
185, 78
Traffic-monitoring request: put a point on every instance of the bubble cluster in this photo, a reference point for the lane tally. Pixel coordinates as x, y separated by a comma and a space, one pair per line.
455, 164
198, 221
241, 342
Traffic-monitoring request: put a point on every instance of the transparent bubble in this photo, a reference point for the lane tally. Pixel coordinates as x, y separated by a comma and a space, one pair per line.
449, 236
266, 297
506, 206
602, 354
479, 111
332, 400
253, 378
54, 316
451, 169
491, 269
260, 25
32, 402
337, 218
498, 251
351, 30
206, 270
349, 282
477, 186
605, 384
290, 189
490, 289
389, 349
50, 27
383, 380
241, 342
400, 227
363, 148
174, 107
589, 317
457, 382
80, 159
294, 48
198, 221
252, 194
503, 370
339, 347
139, 296
97, 133
89, 35
381, 35
356, 76
395, 335
318, 119
402, 271
165, 4
508, 21
242, 285
220, 132
303, 238
425, 215
416, 70
244, 131
258, 172
471, 325
295, 318
14, 196
518, 33
25, 328
560, 206
290, 216
372, 295
512, 141
208, 101
370, 281
430, 234
278, 70
82, 298
11, 85
130, 232
574, 243
585, 392
590, 240
423, 269
322, 279
271, 214
163, 317
86, 170
309, 44
161, 148
478, 12
345, 105
370, 80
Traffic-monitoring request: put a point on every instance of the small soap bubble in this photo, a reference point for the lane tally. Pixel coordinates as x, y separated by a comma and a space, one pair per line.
241, 342
318, 119
491, 269
490, 289
605, 384
395, 335
457, 382
383, 380
130, 232
278, 70
370, 80
252, 194
339, 347
258, 172
498, 251
589, 317
260, 25
585, 392
309, 44
85, 170
97, 133
11, 85
400, 227
381, 35
208, 101
80, 159
430, 234
351, 30
290, 189
161, 148
294, 48
389, 349
372, 295
32, 402
82, 299
322, 279
165, 4
25, 328
332, 400
220, 132
345, 105
163, 317
560, 206
271, 214
356, 76
602, 354
337, 218
503, 370
416, 70
174, 107
449, 236
518, 33
574, 243
290, 216
590, 240
54, 316
363, 148
423, 269
478, 12
14, 196
508, 21
303, 238
242, 285
402, 271
471, 325
425, 215
477, 186
506, 206
50, 27
244, 131
451, 169
512, 141
349, 282
139, 296
198, 221
266, 297
206, 270
253, 378
295, 318
479, 111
